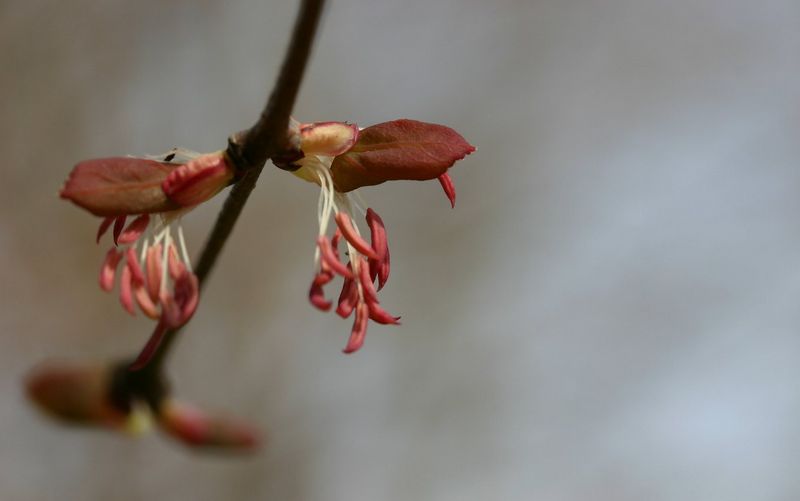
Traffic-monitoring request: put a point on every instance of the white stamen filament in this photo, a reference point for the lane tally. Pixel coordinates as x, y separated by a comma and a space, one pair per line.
162, 234
332, 202
359, 202
145, 246
184, 252
164, 263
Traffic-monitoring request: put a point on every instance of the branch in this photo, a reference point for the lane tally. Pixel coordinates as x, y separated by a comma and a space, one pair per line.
249, 150
252, 148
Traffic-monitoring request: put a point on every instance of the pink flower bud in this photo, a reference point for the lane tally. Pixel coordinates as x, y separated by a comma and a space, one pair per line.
195, 428
198, 180
341, 158
75, 394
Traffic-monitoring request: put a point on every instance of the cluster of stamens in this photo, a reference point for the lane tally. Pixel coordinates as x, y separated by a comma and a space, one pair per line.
156, 274
367, 261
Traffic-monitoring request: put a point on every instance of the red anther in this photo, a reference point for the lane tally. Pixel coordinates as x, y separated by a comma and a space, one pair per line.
148, 307
383, 270
137, 276
317, 297
153, 269
376, 227
134, 230
449, 188
170, 311
337, 235
378, 267
177, 308
382, 316
186, 293
322, 278
330, 259
347, 298
109, 269
349, 233
359, 331
119, 224
126, 290
104, 227
370, 295
175, 266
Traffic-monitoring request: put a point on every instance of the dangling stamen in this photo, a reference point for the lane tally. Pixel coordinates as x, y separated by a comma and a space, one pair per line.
351, 235
162, 232
134, 230
317, 298
368, 289
378, 267
164, 263
329, 257
378, 314
109, 269
153, 270
176, 268
147, 306
145, 247
184, 252
126, 290
327, 194
358, 201
136, 270
347, 298
359, 329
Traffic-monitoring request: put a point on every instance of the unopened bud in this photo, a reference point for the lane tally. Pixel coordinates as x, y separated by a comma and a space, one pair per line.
198, 180
80, 395
195, 428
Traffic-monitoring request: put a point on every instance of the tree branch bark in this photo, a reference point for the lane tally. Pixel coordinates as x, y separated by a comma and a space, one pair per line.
250, 149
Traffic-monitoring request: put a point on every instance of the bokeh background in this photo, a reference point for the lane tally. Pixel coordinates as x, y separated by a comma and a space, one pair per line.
610, 313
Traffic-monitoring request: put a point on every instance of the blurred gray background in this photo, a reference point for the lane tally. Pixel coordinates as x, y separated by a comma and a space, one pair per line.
610, 313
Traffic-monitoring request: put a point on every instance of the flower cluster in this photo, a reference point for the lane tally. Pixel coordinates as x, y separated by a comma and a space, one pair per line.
88, 395
156, 273
149, 254
142, 200
341, 158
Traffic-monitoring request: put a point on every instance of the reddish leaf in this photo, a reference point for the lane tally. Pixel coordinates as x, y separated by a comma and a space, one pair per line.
401, 149
118, 186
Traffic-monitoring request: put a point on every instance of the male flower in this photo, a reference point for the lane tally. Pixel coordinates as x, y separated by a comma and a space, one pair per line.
341, 158
149, 254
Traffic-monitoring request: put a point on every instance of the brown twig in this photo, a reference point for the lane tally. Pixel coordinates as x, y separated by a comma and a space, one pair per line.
249, 150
